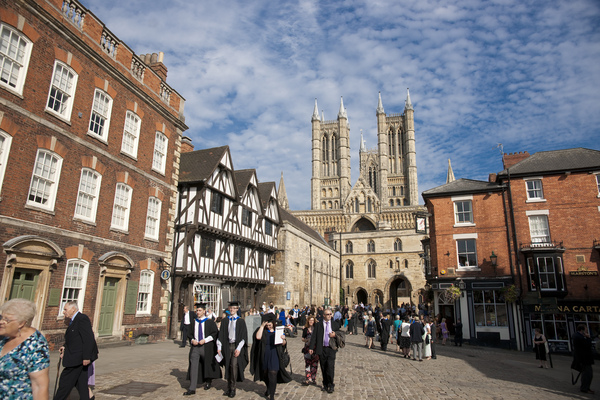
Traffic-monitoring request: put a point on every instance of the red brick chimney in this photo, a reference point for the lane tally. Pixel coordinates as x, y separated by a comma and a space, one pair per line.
155, 62
492, 178
186, 144
511, 159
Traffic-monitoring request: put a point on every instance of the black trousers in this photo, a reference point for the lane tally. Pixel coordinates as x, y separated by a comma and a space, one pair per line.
233, 368
184, 334
586, 378
73, 377
327, 362
384, 341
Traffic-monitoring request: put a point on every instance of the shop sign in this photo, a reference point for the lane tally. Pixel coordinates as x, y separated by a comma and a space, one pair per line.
583, 271
563, 308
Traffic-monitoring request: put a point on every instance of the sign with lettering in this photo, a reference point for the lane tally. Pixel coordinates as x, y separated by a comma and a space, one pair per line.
565, 308
583, 273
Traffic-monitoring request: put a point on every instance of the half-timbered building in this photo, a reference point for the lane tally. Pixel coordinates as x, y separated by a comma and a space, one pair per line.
226, 232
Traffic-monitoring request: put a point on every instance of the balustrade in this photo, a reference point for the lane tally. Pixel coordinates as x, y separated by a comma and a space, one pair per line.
74, 12
109, 43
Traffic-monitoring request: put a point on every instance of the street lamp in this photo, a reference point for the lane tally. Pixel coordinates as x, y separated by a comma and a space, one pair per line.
494, 259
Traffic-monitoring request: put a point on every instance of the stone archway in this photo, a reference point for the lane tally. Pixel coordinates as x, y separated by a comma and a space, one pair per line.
377, 297
399, 291
362, 296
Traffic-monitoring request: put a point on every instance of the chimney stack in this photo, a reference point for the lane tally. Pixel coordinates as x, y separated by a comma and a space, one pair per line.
186, 145
511, 159
155, 62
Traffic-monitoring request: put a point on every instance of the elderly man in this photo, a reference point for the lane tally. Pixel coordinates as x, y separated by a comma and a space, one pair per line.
78, 352
323, 334
232, 345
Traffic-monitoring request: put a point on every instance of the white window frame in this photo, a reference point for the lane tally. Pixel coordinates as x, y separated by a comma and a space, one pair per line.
100, 111
8, 60
122, 206
466, 236
597, 175
131, 134
535, 198
491, 302
159, 159
6, 141
145, 288
153, 218
65, 86
81, 282
539, 237
43, 174
87, 191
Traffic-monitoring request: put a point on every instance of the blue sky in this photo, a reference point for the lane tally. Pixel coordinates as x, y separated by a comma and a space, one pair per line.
522, 73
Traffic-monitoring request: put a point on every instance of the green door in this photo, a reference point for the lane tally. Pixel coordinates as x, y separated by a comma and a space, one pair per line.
24, 283
107, 309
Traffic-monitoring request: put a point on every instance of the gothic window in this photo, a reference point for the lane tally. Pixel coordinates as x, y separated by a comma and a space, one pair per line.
324, 148
323, 205
391, 264
398, 245
393, 190
350, 270
373, 177
329, 205
406, 264
369, 205
371, 269
371, 246
349, 247
333, 148
335, 205
398, 202
330, 193
356, 205
324, 192
392, 203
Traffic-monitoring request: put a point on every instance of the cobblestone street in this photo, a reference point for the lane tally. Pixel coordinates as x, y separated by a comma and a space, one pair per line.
157, 371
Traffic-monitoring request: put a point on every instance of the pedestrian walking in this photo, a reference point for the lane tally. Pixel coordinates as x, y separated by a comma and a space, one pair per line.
427, 339
540, 344
78, 352
311, 361
404, 337
369, 330
202, 337
583, 357
444, 331
385, 331
184, 327
416, 339
458, 333
266, 356
319, 344
232, 345
25, 369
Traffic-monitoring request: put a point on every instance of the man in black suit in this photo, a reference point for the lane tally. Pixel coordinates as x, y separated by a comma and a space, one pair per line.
184, 327
202, 337
319, 343
385, 331
232, 344
78, 352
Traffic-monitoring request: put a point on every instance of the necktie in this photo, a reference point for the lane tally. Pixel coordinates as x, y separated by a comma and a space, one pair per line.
326, 338
200, 333
232, 330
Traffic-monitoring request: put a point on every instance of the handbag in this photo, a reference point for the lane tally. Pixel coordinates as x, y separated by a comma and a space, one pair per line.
285, 358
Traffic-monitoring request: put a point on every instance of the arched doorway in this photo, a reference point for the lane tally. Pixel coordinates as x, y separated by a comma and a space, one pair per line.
400, 291
362, 225
362, 297
377, 297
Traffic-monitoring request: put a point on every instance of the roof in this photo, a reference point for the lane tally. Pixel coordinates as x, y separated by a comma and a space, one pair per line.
462, 186
556, 161
264, 192
198, 165
289, 218
242, 179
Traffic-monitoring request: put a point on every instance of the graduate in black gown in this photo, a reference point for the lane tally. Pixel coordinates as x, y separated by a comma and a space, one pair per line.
265, 357
232, 344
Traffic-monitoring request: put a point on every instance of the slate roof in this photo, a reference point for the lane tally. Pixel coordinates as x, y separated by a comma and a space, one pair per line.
242, 179
461, 186
197, 166
556, 161
264, 192
289, 218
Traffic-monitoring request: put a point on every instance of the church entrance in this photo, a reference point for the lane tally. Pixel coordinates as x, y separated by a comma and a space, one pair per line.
362, 297
399, 292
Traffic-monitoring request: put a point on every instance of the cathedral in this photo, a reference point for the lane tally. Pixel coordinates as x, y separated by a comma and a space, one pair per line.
372, 223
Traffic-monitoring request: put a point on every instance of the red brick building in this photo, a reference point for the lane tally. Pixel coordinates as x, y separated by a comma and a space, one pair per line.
540, 218
90, 135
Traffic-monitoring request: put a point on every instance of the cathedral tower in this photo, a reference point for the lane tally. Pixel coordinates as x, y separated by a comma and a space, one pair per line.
330, 184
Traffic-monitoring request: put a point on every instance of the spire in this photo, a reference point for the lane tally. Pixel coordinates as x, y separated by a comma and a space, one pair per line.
342, 112
362, 142
408, 104
450, 175
282, 194
315, 116
380, 106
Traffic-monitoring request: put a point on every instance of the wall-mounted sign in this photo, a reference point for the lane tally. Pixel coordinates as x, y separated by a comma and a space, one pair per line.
288, 295
583, 273
165, 274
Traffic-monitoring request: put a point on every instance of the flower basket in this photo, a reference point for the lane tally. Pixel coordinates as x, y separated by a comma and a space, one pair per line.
453, 293
511, 293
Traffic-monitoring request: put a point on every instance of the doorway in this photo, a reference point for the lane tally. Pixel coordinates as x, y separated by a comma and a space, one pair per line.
362, 297
24, 284
107, 309
399, 292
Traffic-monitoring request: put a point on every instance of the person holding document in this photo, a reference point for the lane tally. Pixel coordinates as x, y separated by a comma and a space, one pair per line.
267, 348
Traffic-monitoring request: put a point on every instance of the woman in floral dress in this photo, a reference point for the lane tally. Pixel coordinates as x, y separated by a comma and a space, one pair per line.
311, 361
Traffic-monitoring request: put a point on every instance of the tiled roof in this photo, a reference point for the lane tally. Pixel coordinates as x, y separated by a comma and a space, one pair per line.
198, 165
242, 179
289, 218
557, 161
461, 186
264, 191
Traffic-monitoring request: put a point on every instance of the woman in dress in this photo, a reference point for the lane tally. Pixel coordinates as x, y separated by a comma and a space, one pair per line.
350, 322
404, 337
311, 361
370, 330
427, 340
24, 356
266, 355
444, 331
539, 341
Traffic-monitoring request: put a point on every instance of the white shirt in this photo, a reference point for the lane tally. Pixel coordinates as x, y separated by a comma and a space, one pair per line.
186, 318
206, 339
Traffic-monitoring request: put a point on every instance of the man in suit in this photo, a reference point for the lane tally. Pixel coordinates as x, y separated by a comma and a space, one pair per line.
385, 331
202, 337
417, 330
78, 352
184, 327
323, 334
232, 345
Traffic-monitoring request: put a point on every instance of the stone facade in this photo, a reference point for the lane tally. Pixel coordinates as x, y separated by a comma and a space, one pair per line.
376, 214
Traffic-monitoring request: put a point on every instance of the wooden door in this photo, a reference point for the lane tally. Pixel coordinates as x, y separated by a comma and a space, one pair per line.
24, 284
107, 308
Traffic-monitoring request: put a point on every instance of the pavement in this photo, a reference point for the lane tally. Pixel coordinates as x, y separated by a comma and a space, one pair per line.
157, 371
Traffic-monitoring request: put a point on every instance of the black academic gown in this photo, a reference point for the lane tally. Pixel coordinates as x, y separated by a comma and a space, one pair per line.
257, 355
241, 333
211, 366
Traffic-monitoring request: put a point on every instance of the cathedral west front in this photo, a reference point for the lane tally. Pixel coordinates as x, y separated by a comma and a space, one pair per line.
371, 223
